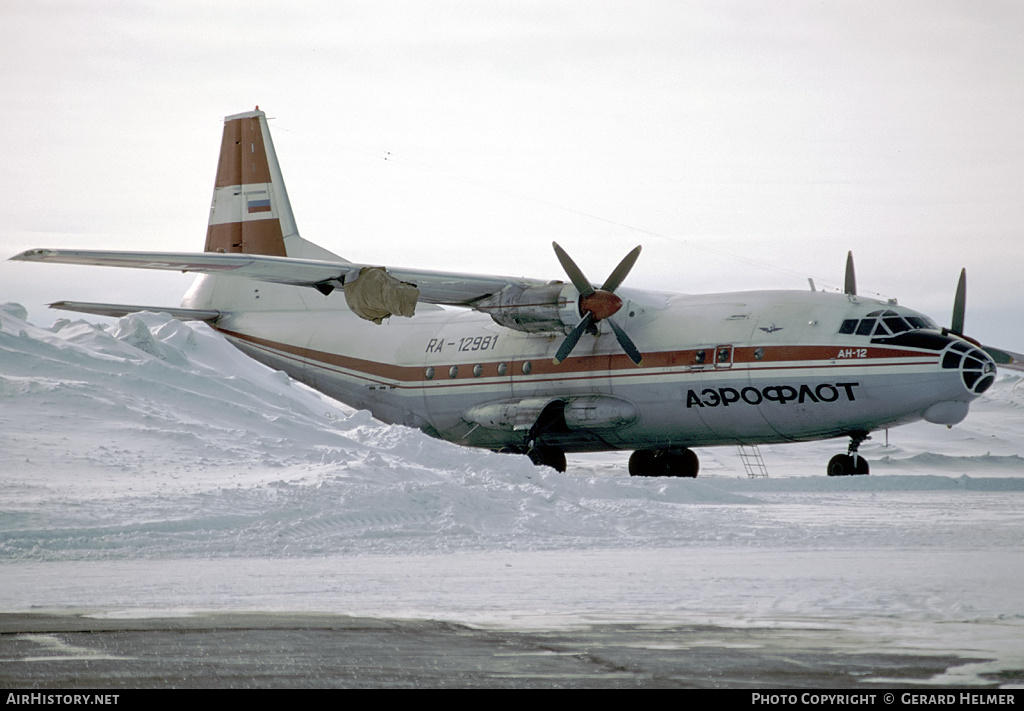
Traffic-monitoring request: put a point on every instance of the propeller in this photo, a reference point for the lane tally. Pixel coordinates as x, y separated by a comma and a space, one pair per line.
597, 304
850, 286
959, 305
957, 324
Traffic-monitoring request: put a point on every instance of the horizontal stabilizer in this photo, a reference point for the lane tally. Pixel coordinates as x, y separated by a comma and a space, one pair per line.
119, 310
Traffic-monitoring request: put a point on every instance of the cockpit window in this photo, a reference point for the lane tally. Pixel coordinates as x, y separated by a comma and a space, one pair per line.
896, 324
882, 324
921, 322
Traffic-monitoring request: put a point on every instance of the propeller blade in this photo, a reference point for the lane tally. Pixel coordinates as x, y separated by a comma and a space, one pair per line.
999, 356
622, 271
1005, 359
575, 275
572, 339
627, 343
960, 305
850, 286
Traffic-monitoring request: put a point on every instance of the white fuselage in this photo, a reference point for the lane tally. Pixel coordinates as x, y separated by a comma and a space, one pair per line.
744, 367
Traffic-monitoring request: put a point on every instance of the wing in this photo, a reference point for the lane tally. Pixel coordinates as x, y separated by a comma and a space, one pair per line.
448, 288
375, 293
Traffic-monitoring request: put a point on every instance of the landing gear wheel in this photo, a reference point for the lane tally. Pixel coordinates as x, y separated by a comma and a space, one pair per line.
847, 465
682, 462
850, 463
664, 462
642, 462
548, 457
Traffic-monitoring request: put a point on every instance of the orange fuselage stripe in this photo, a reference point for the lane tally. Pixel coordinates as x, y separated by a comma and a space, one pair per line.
587, 367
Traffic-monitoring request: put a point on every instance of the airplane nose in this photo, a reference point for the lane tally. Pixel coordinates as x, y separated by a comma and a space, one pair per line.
977, 369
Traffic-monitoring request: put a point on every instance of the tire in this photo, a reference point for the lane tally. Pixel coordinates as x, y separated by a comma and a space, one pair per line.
840, 465
548, 457
664, 462
843, 465
643, 462
682, 463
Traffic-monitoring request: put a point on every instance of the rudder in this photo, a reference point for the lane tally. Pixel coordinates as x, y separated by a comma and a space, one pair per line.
250, 211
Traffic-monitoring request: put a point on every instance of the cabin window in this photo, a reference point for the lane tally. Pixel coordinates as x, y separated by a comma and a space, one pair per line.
453, 372
429, 374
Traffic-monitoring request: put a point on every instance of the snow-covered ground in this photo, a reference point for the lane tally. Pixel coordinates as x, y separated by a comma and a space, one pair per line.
150, 468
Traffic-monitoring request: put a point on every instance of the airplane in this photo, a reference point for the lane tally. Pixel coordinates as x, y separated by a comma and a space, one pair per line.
545, 368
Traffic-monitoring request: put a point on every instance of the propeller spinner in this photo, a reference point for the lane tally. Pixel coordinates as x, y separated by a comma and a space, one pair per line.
597, 304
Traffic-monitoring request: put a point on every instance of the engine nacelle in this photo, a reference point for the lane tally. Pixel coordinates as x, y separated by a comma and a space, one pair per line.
579, 412
534, 309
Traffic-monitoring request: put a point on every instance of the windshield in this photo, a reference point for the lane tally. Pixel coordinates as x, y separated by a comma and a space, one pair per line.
879, 324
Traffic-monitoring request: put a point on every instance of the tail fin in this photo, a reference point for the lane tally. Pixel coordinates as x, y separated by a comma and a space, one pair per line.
250, 212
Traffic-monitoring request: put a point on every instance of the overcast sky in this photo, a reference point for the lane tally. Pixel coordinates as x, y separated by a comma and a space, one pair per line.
744, 144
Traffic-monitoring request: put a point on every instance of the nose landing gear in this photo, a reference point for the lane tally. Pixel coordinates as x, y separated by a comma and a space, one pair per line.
850, 463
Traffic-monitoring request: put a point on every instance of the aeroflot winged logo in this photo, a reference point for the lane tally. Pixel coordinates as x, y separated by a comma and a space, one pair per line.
771, 329
782, 394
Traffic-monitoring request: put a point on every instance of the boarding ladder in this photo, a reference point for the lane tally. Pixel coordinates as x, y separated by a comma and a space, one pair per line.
753, 463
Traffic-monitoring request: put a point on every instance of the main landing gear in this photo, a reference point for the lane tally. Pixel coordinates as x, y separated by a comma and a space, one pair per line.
550, 420
543, 456
664, 462
850, 463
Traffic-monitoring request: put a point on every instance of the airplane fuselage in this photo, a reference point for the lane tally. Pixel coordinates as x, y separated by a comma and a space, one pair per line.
756, 367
